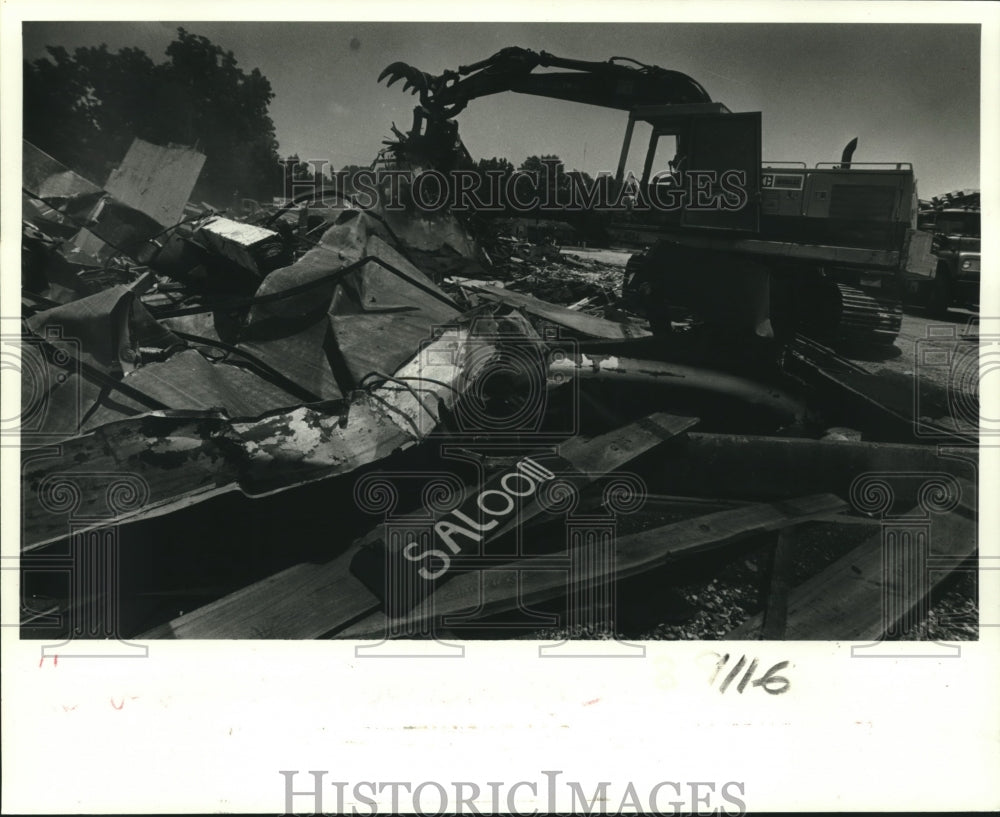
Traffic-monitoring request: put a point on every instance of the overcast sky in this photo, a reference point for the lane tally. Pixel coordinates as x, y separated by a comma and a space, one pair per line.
909, 92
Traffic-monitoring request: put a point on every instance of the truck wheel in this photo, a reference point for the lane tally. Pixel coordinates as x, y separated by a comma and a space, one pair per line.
940, 296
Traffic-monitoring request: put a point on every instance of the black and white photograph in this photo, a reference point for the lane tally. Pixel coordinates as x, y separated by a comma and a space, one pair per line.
503, 340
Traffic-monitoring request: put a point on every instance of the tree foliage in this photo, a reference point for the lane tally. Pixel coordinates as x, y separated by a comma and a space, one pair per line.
86, 107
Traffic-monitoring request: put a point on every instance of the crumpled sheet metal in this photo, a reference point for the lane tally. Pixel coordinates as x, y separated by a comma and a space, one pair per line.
73, 348
321, 342
144, 195
49, 178
437, 241
176, 459
378, 346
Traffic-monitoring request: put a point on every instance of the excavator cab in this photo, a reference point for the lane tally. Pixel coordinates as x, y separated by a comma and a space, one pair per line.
773, 249
702, 166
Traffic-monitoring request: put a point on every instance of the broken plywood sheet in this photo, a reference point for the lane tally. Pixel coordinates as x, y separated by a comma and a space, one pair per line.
97, 216
306, 286
380, 308
187, 381
156, 180
76, 350
303, 356
105, 339
379, 318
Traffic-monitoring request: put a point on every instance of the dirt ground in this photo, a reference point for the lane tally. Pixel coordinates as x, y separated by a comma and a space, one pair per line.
709, 601
918, 329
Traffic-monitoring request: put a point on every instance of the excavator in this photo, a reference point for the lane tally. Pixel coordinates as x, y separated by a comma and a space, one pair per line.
774, 249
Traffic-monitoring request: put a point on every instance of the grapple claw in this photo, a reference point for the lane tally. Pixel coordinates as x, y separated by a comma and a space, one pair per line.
396, 70
416, 80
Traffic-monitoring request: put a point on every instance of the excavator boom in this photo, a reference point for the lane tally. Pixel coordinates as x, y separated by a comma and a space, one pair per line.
619, 83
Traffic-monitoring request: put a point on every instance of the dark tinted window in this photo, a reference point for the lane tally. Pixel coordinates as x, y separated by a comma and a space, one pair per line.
958, 223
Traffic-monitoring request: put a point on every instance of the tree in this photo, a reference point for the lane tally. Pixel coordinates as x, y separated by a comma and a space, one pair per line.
492, 188
86, 108
552, 188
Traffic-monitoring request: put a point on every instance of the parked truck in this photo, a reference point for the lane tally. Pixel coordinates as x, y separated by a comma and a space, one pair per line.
954, 278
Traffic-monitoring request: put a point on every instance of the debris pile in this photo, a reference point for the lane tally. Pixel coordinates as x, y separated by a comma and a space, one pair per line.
494, 409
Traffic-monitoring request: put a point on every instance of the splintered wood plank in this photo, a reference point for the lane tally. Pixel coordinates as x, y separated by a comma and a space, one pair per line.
846, 601
776, 611
310, 600
576, 321
300, 602
522, 583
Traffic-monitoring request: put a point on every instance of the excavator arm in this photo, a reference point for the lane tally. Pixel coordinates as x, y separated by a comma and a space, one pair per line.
619, 83
611, 84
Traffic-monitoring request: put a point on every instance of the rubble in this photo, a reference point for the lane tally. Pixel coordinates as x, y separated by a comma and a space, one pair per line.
576, 322
271, 352
253, 248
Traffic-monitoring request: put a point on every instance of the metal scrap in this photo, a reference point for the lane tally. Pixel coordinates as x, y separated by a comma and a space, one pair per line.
257, 353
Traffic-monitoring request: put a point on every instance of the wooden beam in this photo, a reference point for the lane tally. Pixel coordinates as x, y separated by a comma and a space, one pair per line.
846, 601
776, 609
522, 583
310, 600
762, 468
587, 325
300, 602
